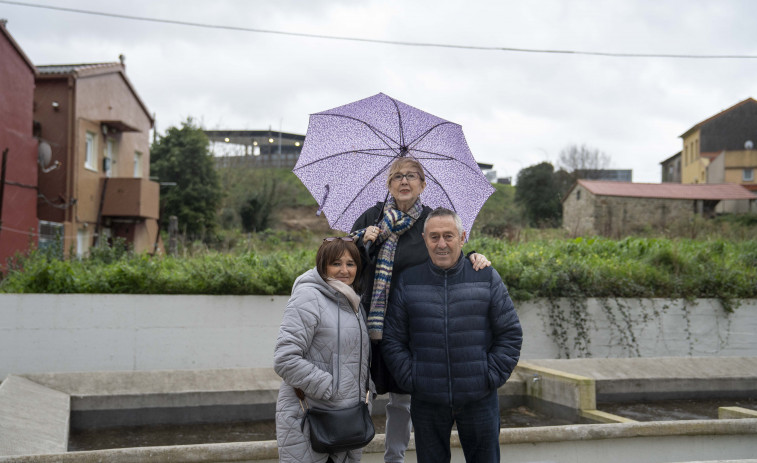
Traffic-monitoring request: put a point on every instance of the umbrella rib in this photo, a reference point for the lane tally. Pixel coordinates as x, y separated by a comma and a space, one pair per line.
354, 198
399, 117
348, 152
442, 157
430, 129
452, 204
373, 129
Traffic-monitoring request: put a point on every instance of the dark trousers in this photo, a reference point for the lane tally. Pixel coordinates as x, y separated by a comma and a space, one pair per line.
477, 425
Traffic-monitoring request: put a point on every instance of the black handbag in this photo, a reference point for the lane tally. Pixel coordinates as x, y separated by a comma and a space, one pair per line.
338, 430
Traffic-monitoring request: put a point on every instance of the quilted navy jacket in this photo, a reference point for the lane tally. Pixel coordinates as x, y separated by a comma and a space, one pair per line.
451, 336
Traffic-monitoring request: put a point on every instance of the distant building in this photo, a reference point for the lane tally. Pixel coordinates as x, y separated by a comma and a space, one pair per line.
488, 171
612, 175
616, 209
99, 130
671, 169
255, 148
721, 149
18, 151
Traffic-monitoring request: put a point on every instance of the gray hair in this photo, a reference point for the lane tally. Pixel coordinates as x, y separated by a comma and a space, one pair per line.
444, 212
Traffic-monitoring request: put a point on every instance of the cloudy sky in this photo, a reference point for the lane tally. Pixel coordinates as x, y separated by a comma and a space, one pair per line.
517, 108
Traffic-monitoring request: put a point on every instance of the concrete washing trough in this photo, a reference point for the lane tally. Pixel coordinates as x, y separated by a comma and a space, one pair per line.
37, 412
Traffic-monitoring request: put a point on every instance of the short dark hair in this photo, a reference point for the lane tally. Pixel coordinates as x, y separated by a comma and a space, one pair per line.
329, 251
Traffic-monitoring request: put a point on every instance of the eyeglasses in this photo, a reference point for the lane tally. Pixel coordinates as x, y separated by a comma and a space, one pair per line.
410, 176
343, 238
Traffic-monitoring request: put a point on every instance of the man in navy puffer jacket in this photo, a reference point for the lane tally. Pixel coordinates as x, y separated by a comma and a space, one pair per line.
451, 338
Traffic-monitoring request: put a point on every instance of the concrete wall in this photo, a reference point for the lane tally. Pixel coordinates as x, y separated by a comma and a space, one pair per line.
82, 332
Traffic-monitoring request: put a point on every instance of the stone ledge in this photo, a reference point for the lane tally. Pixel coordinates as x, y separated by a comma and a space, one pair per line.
726, 413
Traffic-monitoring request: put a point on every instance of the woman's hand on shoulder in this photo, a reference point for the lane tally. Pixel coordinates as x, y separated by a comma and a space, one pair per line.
479, 261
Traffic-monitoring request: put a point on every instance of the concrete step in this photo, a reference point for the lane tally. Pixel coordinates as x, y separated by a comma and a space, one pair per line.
33, 418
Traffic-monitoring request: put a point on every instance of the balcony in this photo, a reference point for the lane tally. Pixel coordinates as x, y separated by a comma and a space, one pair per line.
130, 197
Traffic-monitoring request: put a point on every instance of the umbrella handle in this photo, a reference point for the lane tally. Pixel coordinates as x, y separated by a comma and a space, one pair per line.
367, 245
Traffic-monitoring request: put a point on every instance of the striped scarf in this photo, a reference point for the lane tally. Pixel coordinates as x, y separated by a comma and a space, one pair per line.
393, 224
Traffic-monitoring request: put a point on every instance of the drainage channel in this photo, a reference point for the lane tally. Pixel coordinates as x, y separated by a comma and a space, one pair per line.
517, 417
209, 433
675, 410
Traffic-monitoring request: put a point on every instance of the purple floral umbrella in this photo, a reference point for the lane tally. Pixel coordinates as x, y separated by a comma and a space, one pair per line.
348, 151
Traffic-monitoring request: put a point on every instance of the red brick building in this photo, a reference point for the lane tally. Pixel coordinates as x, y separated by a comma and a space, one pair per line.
18, 147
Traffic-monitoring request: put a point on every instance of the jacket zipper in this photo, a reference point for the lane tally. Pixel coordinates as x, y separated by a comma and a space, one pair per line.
338, 347
360, 360
446, 338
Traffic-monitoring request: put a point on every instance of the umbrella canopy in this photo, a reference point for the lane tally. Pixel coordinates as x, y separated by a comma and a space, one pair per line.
348, 151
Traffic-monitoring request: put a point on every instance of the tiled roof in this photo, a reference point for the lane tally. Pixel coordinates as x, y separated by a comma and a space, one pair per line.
56, 71
678, 154
704, 191
69, 68
696, 126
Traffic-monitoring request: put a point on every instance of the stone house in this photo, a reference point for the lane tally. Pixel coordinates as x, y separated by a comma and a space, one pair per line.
615, 209
99, 130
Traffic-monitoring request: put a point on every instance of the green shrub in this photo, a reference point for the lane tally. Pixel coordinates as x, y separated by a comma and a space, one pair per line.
270, 262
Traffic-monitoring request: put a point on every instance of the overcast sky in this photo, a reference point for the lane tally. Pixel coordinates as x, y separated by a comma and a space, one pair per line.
516, 108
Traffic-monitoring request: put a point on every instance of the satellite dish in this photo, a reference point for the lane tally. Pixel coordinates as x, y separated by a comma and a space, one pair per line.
748, 145
44, 154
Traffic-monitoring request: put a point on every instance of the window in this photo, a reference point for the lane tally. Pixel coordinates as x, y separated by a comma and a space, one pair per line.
137, 164
51, 237
747, 175
578, 195
89, 152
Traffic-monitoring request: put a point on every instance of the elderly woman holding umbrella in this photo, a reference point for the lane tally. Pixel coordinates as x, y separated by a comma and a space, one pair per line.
395, 229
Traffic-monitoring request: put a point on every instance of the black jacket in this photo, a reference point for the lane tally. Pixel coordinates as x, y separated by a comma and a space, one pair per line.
451, 336
411, 250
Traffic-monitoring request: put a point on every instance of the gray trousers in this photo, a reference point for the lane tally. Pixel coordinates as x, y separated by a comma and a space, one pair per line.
398, 427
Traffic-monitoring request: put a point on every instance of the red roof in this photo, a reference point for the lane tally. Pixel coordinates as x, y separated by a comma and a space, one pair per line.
704, 191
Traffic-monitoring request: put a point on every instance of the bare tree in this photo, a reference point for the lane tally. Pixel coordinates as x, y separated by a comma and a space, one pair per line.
583, 161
